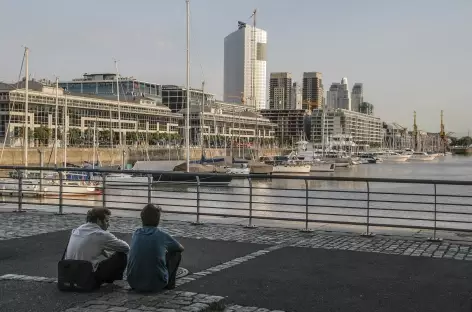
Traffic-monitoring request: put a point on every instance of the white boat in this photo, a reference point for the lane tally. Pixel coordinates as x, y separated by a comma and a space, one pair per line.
291, 168
322, 167
123, 179
71, 188
10, 186
242, 169
395, 157
421, 156
73, 184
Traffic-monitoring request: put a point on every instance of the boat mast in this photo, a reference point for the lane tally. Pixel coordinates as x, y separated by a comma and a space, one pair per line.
94, 144
25, 132
64, 136
323, 133
202, 110
55, 121
119, 115
187, 117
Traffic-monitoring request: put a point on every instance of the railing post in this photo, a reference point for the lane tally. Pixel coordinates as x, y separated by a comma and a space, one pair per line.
104, 196
197, 222
250, 225
307, 218
61, 191
368, 233
149, 188
434, 238
20, 191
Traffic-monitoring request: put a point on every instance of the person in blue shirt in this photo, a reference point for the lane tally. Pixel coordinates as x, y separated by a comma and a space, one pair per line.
154, 255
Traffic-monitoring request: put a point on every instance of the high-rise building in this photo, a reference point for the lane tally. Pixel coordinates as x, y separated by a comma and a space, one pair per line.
280, 91
339, 96
312, 93
357, 97
332, 95
296, 96
245, 66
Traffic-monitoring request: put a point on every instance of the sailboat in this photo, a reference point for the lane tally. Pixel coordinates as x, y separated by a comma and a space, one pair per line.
189, 167
30, 180
73, 183
120, 179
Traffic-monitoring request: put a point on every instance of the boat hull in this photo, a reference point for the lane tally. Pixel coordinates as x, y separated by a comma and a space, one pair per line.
291, 169
184, 178
422, 158
462, 151
396, 158
322, 167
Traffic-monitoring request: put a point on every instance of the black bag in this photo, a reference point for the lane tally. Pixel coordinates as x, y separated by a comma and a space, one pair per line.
75, 275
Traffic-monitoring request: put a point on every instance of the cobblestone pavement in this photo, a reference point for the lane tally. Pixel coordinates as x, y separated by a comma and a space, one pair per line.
237, 308
14, 225
169, 301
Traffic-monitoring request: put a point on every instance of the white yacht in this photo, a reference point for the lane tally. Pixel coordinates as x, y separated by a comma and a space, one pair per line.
291, 168
73, 184
322, 167
421, 156
395, 157
123, 179
238, 169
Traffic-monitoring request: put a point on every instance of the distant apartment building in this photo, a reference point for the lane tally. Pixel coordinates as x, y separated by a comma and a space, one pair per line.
280, 91
312, 92
245, 66
339, 96
357, 97
296, 102
291, 124
364, 129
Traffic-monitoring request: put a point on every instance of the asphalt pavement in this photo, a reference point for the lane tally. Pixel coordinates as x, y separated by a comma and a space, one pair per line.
38, 256
306, 279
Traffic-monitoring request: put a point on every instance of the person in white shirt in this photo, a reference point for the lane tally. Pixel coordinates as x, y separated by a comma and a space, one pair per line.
92, 242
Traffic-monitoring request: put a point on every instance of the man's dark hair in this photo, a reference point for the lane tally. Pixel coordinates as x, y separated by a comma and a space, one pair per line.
95, 214
151, 215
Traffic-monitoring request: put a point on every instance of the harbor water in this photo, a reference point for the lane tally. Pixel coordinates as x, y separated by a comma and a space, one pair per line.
329, 201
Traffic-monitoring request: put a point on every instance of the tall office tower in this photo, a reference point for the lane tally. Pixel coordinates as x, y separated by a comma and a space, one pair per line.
245, 66
280, 91
357, 97
332, 95
296, 96
339, 96
312, 93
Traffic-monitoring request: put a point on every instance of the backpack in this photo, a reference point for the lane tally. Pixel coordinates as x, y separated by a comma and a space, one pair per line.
75, 275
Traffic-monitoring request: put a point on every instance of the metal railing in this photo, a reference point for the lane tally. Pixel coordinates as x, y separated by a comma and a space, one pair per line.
306, 200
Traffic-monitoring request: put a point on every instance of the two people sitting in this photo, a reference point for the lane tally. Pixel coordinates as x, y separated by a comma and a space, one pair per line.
151, 261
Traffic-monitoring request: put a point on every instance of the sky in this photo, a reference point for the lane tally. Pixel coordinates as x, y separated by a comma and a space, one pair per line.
411, 55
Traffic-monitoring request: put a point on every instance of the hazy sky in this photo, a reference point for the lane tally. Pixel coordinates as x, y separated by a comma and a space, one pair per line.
410, 54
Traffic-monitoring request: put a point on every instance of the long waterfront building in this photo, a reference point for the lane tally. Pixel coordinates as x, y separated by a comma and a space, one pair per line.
139, 114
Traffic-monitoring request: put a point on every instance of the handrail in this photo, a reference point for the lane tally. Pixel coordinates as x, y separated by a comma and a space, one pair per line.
250, 201
258, 176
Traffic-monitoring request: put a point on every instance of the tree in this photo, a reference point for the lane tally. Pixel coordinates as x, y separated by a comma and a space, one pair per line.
464, 141
41, 134
104, 137
75, 136
132, 137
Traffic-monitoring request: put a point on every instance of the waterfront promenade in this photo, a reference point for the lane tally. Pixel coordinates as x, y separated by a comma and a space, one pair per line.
233, 268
